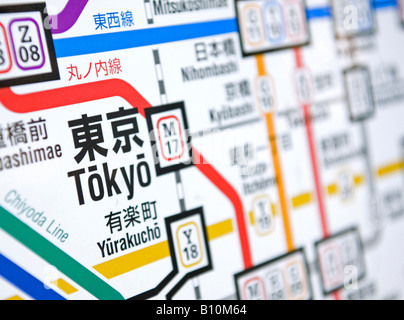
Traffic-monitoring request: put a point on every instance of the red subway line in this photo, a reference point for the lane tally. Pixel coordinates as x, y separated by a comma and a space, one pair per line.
313, 154
59, 97
314, 161
316, 171
217, 179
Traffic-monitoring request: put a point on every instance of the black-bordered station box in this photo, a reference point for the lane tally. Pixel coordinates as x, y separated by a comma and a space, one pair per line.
189, 251
359, 93
341, 260
170, 139
283, 278
353, 18
27, 53
268, 25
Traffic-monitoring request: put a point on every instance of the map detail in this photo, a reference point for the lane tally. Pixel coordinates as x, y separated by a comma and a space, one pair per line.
201, 149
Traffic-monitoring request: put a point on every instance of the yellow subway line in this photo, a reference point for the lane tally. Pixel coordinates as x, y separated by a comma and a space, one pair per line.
64, 286
359, 179
137, 259
302, 199
251, 215
390, 168
219, 229
332, 189
134, 260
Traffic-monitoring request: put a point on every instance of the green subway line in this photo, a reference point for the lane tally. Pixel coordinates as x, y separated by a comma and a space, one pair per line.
56, 257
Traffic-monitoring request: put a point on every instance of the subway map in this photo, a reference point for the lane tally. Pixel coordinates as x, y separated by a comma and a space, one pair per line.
201, 149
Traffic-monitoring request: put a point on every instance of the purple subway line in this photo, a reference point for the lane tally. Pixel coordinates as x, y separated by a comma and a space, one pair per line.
68, 16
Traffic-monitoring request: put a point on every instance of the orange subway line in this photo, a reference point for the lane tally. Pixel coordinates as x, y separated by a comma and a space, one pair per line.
260, 64
269, 117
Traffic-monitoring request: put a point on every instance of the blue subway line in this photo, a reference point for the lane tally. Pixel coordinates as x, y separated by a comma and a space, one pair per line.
318, 12
144, 37
68, 47
379, 4
25, 281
